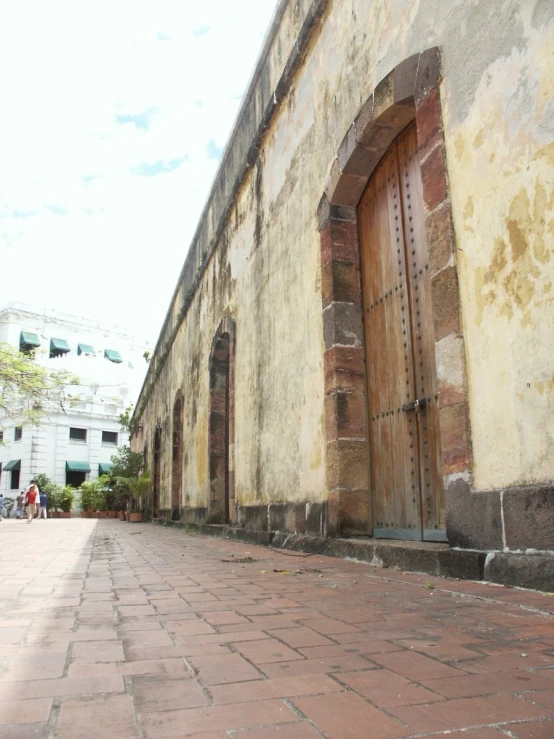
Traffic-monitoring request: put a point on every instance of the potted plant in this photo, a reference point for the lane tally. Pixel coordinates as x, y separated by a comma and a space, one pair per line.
100, 501
66, 499
87, 499
54, 493
137, 488
109, 496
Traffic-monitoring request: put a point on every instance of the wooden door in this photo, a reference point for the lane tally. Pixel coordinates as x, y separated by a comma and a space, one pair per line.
406, 484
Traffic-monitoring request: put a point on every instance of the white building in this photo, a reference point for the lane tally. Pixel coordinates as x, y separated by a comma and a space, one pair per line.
76, 443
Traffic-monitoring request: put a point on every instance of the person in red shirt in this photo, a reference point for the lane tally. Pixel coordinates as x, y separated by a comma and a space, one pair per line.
31, 498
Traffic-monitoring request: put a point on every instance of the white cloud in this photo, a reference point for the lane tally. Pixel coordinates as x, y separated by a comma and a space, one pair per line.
112, 113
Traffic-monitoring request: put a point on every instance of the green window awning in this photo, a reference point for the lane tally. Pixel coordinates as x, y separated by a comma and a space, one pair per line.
28, 339
104, 468
77, 467
113, 356
13, 464
86, 349
59, 345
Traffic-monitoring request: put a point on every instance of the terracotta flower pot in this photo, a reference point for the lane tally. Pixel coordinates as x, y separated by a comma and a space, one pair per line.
121, 515
57, 514
66, 514
102, 514
83, 514
111, 514
135, 517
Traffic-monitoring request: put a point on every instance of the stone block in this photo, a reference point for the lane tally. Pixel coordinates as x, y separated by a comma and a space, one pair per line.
282, 517
450, 363
445, 302
327, 211
344, 368
530, 570
473, 520
253, 517
405, 78
316, 518
347, 189
383, 96
354, 512
339, 240
347, 464
342, 325
364, 121
345, 416
440, 237
529, 517
340, 282
434, 178
300, 523
456, 452
429, 123
428, 73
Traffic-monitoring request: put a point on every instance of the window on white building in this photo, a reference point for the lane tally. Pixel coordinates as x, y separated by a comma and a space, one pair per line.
14, 482
78, 435
28, 342
58, 347
113, 356
86, 349
17, 433
109, 437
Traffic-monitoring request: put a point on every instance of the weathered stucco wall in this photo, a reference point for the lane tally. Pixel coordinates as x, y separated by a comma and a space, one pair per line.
265, 271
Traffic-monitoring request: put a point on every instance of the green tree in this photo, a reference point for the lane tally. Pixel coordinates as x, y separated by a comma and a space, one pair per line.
28, 392
126, 463
125, 418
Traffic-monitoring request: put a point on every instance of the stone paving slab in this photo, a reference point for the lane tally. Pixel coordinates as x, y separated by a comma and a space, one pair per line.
129, 631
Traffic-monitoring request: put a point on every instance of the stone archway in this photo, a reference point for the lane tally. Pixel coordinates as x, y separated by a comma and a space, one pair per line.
177, 457
157, 451
221, 424
409, 93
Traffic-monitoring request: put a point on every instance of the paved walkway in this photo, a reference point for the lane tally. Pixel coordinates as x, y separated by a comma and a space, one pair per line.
120, 630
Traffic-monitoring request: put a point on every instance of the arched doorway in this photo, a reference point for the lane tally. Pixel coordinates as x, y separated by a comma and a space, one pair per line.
407, 492
382, 480
156, 479
221, 426
177, 458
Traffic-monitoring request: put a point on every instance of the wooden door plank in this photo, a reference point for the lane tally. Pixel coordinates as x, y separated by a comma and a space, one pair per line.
407, 479
432, 491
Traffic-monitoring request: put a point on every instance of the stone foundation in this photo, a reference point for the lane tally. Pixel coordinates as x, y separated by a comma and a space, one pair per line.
504, 536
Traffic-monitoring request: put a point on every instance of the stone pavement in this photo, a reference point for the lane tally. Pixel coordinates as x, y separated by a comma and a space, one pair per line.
110, 629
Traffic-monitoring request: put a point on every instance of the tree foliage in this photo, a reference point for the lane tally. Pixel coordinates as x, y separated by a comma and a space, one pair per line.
125, 418
28, 391
126, 463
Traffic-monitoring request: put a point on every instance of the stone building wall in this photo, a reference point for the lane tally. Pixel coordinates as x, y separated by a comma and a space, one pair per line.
478, 79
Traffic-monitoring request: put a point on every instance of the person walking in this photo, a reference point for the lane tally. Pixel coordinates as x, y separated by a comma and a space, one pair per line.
43, 505
31, 497
1, 506
20, 506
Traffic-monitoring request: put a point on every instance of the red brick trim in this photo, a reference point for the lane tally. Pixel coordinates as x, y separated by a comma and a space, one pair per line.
410, 91
221, 506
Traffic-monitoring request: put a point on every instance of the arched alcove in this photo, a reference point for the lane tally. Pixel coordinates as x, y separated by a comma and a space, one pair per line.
156, 474
177, 457
221, 423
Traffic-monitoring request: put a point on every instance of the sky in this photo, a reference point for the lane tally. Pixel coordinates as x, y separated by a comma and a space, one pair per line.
114, 117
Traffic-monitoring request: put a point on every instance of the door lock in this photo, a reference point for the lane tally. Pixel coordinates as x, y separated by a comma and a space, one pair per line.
415, 405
